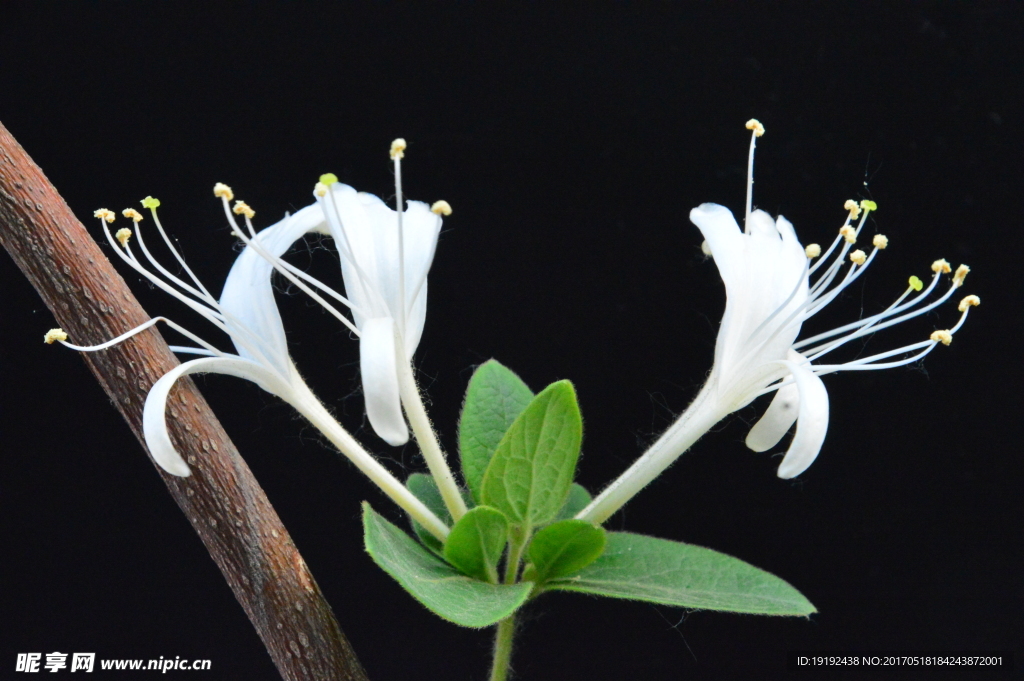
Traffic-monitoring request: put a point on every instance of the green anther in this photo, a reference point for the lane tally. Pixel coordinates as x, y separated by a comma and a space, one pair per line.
151, 203
868, 205
328, 179
916, 283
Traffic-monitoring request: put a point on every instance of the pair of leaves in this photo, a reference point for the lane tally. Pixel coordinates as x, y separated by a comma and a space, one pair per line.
518, 451
633, 567
477, 541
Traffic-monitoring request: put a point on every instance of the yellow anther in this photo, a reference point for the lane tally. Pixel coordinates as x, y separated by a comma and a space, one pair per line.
320, 189
853, 207
135, 215
941, 266
328, 179
104, 214
858, 257
54, 335
704, 248
242, 208
944, 337
123, 235
849, 233
441, 208
915, 283
969, 301
755, 125
222, 191
812, 250
960, 275
151, 203
397, 149
880, 241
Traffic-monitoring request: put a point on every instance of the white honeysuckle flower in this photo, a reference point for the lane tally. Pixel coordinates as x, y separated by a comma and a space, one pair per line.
247, 312
385, 257
771, 290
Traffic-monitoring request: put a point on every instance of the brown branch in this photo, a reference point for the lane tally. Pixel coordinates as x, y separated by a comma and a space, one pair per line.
226, 506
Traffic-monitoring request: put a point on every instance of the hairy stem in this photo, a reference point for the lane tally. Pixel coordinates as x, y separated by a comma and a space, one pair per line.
310, 407
427, 441
699, 418
503, 649
506, 629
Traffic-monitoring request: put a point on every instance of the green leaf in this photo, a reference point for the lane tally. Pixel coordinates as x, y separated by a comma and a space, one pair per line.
494, 398
565, 547
438, 586
644, 568
425, 489
578, 499
529, 476
476, 543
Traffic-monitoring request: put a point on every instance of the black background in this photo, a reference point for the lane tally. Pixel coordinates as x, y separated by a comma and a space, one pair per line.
572, 141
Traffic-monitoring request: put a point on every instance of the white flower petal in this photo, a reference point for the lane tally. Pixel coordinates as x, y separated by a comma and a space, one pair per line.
365, 230
422, 228
781, 413
812, 421
248, 295
378, 365
777, 420
760, 225
723, 235
154, 423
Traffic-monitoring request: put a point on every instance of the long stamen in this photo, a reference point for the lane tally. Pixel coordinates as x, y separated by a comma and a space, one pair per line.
139, 329
285, 272
865, 364
202, 294
209, 309
126, 254
870, 363
823, 258
829, 347
860, 264
848, 235
181, 261
313, 281
828, 276
184, 349
756, 131
895, 308
397, 153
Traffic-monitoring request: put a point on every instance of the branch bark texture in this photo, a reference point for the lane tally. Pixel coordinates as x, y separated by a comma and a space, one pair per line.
226, 506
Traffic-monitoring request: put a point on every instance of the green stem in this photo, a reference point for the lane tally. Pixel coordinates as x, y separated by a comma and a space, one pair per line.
503, 648
507, 627
427, 441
